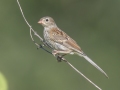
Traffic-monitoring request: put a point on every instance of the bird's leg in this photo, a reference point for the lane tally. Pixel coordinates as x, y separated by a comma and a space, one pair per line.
60, 57
55, 52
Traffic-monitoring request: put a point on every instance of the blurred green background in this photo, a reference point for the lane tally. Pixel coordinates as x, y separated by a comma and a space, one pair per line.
94, 24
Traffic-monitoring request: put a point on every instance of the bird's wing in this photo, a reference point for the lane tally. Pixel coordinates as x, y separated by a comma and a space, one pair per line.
61, 37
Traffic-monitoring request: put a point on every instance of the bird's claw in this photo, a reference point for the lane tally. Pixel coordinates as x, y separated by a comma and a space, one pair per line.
60, 58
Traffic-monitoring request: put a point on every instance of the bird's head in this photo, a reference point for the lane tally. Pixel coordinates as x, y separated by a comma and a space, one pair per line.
47, 21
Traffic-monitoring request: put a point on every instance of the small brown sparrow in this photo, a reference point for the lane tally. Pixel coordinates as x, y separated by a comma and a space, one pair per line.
60, 42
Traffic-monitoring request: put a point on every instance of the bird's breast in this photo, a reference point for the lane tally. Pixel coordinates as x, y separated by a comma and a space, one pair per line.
52, 43
48, 39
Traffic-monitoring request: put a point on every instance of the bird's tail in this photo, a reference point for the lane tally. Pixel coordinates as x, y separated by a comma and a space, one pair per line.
94, 64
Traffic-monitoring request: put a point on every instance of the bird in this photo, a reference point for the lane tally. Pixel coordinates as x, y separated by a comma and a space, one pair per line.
61, 43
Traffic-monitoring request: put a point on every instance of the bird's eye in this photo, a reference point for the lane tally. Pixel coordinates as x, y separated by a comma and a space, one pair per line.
47, 20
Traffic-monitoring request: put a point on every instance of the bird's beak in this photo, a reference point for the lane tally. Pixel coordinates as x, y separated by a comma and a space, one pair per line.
40, 22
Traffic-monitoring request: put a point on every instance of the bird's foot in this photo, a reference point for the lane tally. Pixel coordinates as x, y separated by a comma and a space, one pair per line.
60, 57
54, 52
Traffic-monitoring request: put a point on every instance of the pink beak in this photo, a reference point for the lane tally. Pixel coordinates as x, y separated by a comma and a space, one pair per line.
40, 22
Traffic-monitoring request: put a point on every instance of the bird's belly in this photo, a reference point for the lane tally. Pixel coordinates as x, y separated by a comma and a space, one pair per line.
60, 47
53, 44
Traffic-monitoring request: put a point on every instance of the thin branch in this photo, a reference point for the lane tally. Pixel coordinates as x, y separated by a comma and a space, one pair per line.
83, 75
38, 45
27, 22
41, 46
33, 39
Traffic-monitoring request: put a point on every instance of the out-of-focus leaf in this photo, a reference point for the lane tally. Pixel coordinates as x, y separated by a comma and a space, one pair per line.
3, 82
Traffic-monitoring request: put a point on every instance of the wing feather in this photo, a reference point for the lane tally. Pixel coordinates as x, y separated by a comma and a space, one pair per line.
61, 37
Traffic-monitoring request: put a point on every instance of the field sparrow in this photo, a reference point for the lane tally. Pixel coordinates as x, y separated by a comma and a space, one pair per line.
60, 42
